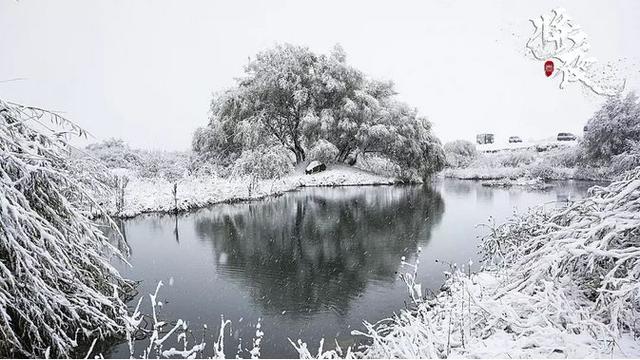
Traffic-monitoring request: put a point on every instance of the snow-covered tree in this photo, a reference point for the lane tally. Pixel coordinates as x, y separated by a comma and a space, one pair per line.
57, 288
270, 101
115, 153
323, 151
460, 153
263, 163
293, 97
613, 130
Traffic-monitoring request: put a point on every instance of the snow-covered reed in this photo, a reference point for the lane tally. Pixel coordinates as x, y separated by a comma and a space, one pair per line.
56, 286
556, 283
153, 333
593, 245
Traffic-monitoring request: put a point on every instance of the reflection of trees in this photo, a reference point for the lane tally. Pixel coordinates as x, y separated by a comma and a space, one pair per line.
458, 187
484, 194
319, 247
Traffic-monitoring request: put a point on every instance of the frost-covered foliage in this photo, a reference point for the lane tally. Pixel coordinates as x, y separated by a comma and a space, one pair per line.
548, 163
629, 159
567, 157
377, 165
56, 287
460, 153
591, 173
264, 163
613, 130
164, 164
593, 244
516, 158
88, 170
115, 153
213, 142
562, 282
293, 97
510, 164
544, 172
323, 151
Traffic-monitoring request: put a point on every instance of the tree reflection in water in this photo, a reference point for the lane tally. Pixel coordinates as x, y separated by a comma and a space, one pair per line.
318, 249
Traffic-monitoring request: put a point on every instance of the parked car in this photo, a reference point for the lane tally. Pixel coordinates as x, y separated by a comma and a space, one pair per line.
484, 138
515, 139
566, 136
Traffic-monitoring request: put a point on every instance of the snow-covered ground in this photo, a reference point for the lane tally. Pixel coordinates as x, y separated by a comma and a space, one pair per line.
156, 195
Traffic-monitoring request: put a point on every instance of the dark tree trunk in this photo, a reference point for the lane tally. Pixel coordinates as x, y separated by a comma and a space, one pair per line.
352, 158
299, 152
342, 155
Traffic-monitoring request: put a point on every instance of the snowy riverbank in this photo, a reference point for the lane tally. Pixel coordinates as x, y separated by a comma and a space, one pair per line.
562, 283
143, 195
543, 161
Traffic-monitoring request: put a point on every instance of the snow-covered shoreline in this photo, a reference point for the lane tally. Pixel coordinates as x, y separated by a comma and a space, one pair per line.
561, 283
143, 195
552, 161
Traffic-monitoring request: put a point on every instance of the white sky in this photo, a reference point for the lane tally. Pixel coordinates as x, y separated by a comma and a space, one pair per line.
144, 70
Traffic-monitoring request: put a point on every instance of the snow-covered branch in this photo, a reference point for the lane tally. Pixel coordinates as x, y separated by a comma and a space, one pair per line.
56, 283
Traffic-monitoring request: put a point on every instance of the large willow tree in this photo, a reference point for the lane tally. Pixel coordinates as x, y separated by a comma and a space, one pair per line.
293, 97
56, 286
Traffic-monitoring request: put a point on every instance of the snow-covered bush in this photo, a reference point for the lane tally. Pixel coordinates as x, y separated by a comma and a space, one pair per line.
592, 247
56, 286
564, 156
516, 158
544, 171
264, 163
460, 153
591, 173
630, 159
166, 165
323, 151
115, 153
377, 165
201, 167
612, 130
88, 170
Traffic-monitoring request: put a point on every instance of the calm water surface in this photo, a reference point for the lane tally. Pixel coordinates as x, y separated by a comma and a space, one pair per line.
313, 263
